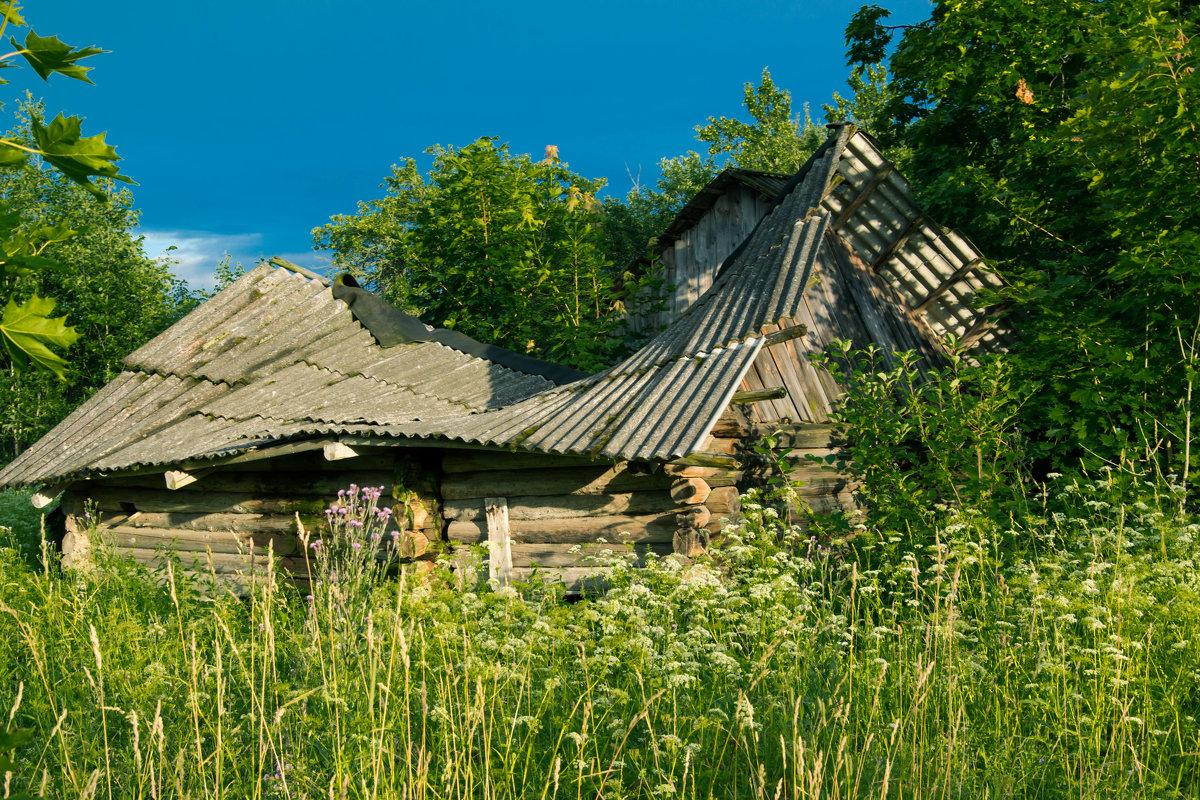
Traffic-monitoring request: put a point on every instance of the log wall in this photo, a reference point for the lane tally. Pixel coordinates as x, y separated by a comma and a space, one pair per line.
229, 518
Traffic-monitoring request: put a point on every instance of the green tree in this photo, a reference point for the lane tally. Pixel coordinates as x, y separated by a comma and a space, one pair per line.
499, 246
1062, 138
115, 295
28, 334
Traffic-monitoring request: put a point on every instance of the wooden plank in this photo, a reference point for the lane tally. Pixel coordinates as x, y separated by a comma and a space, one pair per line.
206, 521
182, 540
490, 460
46, 496
338, 451
574, 480
781, 407
797, 436
786, 334
703, 458
130, 499
613, 528
500, 558
758, 395
560, 555
322, 485
527, 507
785, 364
177, 478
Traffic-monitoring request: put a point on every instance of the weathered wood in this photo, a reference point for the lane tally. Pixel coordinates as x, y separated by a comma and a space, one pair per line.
689, 490
46, 496
863, 195
237, 523
724, 477
575, 580
614, 528
796, 436
162, 500
946, 285
785, 334
759, 395
177, 478
500, 558
413, 544
734, 423
566, 506
724, 502
577, 555
576, 480
691, 542
703, 458
897, 244
684, 471
693, 517
129, 537
217, 563
337, 451
488, 460
325, 485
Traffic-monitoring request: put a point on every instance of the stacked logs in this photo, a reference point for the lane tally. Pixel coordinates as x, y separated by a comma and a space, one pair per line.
565, 514
229, 519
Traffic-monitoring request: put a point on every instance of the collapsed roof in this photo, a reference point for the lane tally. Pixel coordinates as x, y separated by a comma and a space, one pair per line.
277, 357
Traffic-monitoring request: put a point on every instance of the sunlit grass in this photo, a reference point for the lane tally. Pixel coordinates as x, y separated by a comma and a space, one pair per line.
781, 667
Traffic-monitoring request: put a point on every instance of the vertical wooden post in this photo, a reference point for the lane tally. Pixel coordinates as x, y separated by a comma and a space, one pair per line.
499, 547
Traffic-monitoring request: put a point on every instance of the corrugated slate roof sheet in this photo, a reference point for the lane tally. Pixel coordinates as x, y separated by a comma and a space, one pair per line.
275, 357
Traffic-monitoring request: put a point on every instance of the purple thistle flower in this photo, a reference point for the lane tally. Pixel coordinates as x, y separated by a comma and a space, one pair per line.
356, 545
315, 544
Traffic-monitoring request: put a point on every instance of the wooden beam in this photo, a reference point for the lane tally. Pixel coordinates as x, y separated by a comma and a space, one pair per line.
336, 451
500, 563
46, 496
177, 478
876, 179
947, 284
706, 459
758, 395
690, 491
985, 322
898, 243
785, 334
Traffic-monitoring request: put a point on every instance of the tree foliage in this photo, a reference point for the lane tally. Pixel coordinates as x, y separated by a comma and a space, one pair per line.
28, 333
499, 246
1062, 138
116, 297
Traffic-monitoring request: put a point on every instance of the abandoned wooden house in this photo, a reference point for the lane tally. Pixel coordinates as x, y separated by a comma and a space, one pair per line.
255, 409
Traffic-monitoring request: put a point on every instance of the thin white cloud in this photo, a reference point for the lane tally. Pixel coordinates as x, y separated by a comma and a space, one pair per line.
197, 253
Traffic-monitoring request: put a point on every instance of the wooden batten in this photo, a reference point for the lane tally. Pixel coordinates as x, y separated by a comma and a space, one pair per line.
565, 507
500, 560
561, 481
578, 530
337, 451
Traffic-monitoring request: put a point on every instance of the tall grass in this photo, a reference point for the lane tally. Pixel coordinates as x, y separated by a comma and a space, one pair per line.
1053, 655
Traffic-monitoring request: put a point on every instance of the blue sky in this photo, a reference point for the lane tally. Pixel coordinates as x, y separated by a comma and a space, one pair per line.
248, 123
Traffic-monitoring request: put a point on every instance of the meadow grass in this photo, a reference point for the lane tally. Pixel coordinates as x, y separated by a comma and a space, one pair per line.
1050, 654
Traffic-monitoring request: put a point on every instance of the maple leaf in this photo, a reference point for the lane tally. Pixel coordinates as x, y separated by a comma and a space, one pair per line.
64, 147
47, 55
27, 332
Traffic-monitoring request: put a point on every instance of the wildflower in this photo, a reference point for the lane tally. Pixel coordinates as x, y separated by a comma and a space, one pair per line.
314, 544
356, 545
